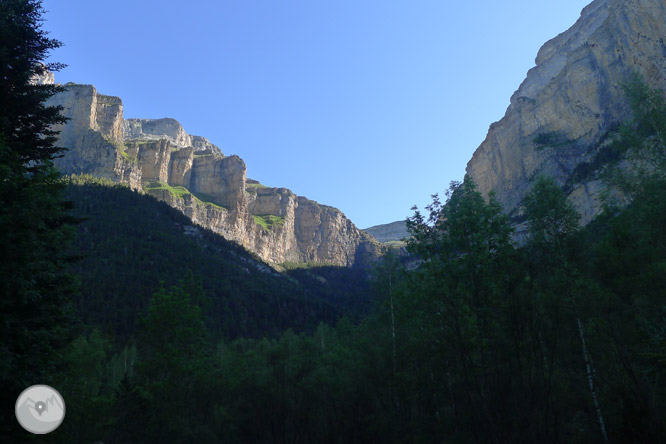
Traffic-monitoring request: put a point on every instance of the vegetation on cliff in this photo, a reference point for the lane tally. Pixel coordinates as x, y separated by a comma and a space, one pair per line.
560, 339
485, 342
188, 172
128, 243
268, 221
177, 335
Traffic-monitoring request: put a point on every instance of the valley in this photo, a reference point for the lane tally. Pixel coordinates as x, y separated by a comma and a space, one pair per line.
170, 298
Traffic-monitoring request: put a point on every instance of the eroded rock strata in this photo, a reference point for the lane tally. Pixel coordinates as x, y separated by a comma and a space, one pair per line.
191, 174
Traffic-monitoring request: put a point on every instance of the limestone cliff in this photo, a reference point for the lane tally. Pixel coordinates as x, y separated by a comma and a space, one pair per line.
190, 173
570, 100
169, 129
391, 232
46, 77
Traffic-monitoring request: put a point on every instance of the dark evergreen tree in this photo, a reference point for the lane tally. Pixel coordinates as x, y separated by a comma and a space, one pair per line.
174, 351
34, 292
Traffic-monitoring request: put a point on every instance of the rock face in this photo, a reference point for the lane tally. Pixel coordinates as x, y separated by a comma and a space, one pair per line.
169, 129
191, 174
44, 78
570, 100
391, 232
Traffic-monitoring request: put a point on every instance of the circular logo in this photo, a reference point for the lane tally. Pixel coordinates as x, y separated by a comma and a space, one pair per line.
40, 409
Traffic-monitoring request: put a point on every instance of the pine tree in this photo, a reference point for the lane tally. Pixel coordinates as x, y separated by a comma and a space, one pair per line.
174, 352
34, 291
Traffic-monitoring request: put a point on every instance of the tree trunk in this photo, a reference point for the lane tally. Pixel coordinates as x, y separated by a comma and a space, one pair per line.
589, 370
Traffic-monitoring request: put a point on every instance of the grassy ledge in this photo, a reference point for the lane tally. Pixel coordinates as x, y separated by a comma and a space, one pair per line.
180, 192
268, 221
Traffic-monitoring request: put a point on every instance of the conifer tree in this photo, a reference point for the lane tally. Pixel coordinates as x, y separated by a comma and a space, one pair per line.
173, 348
34, 290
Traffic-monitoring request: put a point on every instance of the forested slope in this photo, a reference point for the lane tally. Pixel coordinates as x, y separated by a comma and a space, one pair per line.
128, 244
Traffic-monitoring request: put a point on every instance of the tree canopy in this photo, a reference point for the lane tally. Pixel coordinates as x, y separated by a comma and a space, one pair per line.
34, 290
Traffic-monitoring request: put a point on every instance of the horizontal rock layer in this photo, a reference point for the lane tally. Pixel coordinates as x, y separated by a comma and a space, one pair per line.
391, 232
191, 174
169, 129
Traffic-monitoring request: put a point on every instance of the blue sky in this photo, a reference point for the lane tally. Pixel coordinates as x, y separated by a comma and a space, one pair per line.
370, 106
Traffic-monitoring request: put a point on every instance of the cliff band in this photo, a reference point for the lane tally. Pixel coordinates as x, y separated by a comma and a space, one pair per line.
193, 175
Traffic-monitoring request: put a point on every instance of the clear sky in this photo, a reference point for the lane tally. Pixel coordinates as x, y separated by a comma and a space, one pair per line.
370, 106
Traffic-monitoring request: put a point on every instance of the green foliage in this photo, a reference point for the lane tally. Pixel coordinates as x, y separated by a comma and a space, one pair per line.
177, 191
648, 107
482, 343
551, 139
629, 264
35, 293
551, 218
85, 388
208, 200
608, 151
466, 228
174, 349
172, 336
189, 339
641, 140
130, 242
471, 315
180, 192
126, 155
253, 186
289, 265
268, 221
348, 289
89, 179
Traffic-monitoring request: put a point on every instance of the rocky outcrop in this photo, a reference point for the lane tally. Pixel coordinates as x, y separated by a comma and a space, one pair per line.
223, 180
391, 232
180, 173
191, 174
43, 76
154, 158
570, 100
169, 129
323, 231
93, 134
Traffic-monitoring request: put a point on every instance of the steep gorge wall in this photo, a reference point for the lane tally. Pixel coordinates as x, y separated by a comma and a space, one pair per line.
191, 174
570, 100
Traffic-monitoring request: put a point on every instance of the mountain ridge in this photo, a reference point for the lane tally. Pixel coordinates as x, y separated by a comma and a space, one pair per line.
191, 174
129, 244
